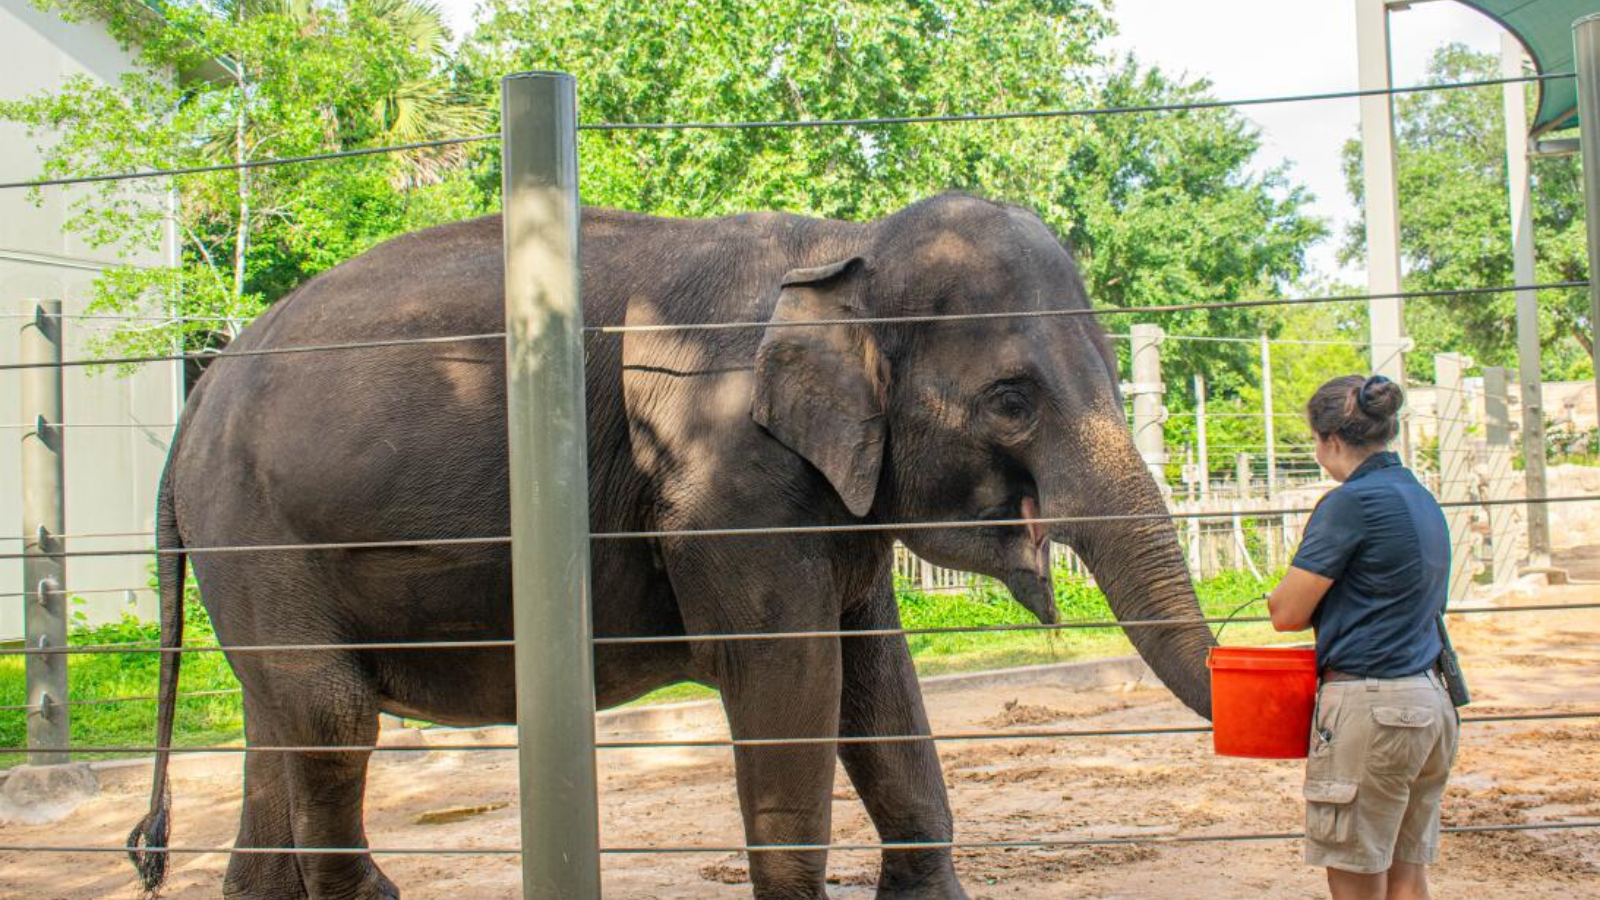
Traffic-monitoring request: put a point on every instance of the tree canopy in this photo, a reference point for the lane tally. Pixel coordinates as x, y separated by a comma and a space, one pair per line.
1455, 225
1160, 208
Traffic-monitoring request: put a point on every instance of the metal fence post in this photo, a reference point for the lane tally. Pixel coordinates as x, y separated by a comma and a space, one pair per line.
1519, 189
548, 436
1455, 467
1203, 451
1381, 204
1266, 413
1148, 413
1586, 56
1497, 463
1242, 474
44, 577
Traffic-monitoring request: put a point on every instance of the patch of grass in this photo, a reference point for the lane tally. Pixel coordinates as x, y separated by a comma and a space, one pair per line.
218, 720
201, 721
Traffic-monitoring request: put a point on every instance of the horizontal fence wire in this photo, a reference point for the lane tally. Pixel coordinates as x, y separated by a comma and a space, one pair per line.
754, 531
1084, 311
808, 323
118, 317
507, 643
249, 164
104, 701
1211, 339
31, 426
862, 122
74, 591
1035, 844
265, 351
723, 743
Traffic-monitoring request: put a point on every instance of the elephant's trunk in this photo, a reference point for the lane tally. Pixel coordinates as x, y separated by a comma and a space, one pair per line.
1140, 566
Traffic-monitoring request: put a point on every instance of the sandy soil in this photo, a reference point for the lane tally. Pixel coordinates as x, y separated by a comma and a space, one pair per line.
1102, 787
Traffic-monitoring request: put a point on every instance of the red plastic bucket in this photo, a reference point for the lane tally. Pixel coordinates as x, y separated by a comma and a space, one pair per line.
1261, 701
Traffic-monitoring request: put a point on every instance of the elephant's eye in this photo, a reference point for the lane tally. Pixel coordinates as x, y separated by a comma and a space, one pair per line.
1012, 402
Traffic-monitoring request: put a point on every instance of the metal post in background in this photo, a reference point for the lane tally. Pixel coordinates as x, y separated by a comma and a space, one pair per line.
1498, 474
1381, 204
1242, 474
549, 489
1149, 415
44, 577
1455, 467
1586, 57
1266, 414
1203, 450
1529, 365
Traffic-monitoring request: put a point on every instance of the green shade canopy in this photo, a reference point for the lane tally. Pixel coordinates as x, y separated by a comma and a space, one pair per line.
1545, 29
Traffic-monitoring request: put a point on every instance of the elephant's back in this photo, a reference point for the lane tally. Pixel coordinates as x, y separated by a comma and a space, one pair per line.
408, 440
369, 442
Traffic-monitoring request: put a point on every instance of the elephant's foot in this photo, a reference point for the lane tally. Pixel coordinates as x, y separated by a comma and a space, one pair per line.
360, 879
278, 877
263, 876
932, 877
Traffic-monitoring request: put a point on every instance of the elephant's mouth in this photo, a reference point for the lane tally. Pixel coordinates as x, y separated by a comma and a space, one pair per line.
1028, 573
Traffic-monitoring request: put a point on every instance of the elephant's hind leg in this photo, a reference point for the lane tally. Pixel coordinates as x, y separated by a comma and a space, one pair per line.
263, 823
327, 791
328, 704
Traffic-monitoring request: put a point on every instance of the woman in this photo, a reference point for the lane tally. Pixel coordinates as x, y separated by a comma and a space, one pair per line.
1371, 576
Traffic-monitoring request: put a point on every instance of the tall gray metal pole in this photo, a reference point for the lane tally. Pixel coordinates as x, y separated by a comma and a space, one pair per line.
549, 489
1204, 461
1267, 415
1149, 415
1381, 204
1529, 365
1586, 56
44, 577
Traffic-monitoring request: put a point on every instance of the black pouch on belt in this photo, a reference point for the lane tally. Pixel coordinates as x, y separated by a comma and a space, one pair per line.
1450, 669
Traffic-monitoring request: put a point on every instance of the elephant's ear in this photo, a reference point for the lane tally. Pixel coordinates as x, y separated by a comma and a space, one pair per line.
822, 389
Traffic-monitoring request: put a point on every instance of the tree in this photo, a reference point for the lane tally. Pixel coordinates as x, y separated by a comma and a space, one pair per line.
257, 79
1455, 229
1160, 208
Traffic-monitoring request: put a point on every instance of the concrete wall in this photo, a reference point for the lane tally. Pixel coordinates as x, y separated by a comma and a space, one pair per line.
111, 472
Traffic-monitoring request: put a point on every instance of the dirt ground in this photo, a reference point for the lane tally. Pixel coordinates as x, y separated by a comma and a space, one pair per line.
1083, 787
1019, 789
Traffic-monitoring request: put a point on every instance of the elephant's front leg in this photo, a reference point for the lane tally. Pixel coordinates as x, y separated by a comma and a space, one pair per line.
899, 782
784, 689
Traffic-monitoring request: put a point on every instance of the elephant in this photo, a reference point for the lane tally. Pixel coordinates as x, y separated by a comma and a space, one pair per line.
826, 411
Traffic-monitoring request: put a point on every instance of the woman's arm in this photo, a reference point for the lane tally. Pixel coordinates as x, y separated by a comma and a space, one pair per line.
1295, 598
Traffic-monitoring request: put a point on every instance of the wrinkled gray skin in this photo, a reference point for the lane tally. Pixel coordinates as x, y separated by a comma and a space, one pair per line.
986, 419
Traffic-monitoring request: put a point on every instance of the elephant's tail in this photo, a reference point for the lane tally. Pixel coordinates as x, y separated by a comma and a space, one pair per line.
147, 842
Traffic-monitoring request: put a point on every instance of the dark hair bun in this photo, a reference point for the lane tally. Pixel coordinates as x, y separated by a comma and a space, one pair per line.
1362, 412
1380, 398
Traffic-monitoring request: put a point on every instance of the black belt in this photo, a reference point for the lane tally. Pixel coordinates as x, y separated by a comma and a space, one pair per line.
1336, 675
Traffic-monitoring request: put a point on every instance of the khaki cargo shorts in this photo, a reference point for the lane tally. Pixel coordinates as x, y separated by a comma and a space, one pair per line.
1381, 751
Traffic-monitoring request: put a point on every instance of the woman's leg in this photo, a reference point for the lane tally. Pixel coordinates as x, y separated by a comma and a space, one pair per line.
1408, 881
1357, 885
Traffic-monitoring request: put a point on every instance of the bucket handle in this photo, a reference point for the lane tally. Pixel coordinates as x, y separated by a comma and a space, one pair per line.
1228, 619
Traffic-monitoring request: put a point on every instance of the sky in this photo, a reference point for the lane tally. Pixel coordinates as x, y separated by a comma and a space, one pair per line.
1253, 48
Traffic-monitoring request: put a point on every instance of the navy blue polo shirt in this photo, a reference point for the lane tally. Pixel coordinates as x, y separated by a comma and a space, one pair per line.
1382, 538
